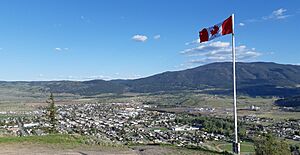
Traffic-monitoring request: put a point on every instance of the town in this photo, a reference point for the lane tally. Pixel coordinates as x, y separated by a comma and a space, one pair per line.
128, 123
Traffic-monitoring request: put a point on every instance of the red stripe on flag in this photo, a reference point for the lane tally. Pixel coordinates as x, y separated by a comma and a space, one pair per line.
203, 35
227, 26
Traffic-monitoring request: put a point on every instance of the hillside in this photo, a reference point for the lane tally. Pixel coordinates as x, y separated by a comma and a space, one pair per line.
254, 79
289, 102
219, 75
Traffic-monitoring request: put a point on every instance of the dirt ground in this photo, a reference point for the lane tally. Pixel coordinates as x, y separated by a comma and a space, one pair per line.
33, 149
30, 149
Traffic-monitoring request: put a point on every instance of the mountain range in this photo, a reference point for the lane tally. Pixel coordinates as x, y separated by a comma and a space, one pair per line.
253, 79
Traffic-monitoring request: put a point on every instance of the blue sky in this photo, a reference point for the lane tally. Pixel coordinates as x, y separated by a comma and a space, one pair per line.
110, 39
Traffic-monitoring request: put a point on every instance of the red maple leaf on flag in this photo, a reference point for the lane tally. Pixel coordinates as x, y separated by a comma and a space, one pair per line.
215, 30
221, 29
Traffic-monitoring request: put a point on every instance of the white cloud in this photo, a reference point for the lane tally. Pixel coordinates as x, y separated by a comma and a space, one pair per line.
83, 78
242, 24
59, 49
94, 77
137, 76
218, 51
156, 37
193, 42
139, 38
206, 47
277, 14
131, 76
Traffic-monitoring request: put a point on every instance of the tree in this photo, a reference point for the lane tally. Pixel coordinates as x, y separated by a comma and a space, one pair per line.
51, 113
268, 145
295, 149
242, 132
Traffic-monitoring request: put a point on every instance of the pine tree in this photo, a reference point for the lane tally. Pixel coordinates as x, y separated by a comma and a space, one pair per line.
52, 113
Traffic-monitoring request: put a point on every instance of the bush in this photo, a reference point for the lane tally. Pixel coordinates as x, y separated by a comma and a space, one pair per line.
268, 145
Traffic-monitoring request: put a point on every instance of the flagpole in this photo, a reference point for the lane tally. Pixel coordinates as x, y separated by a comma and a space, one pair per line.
236, 144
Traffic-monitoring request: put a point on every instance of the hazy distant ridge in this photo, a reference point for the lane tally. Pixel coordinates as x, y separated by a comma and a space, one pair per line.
257, 78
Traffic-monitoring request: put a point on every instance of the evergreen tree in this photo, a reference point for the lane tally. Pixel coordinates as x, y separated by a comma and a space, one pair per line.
52, 113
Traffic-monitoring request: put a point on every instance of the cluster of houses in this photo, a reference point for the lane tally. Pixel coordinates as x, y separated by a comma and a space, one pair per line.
289, 129
118, 122
255, 119
125, 123
128, 123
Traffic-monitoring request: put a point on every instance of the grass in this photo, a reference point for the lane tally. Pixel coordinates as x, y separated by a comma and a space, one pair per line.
245, 147
58, 144
280, 115
15, 107
159, 128
59, 139
292, 142
64, 141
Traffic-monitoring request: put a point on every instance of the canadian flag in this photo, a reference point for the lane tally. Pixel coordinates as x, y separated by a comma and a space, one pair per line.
217, 30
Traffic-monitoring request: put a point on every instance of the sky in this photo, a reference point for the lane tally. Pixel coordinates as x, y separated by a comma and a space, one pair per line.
128, 39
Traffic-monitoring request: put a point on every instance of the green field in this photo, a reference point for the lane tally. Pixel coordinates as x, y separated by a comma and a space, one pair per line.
60, 143
59, 139
246, 147
20, 103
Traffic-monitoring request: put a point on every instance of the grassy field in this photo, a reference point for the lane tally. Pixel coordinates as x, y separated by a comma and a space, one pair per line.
15, 107
62, 143
58, 144
246, 147
280, 115
59, 139
18, 102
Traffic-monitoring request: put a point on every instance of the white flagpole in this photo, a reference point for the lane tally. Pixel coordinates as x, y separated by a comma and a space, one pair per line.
236, 145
